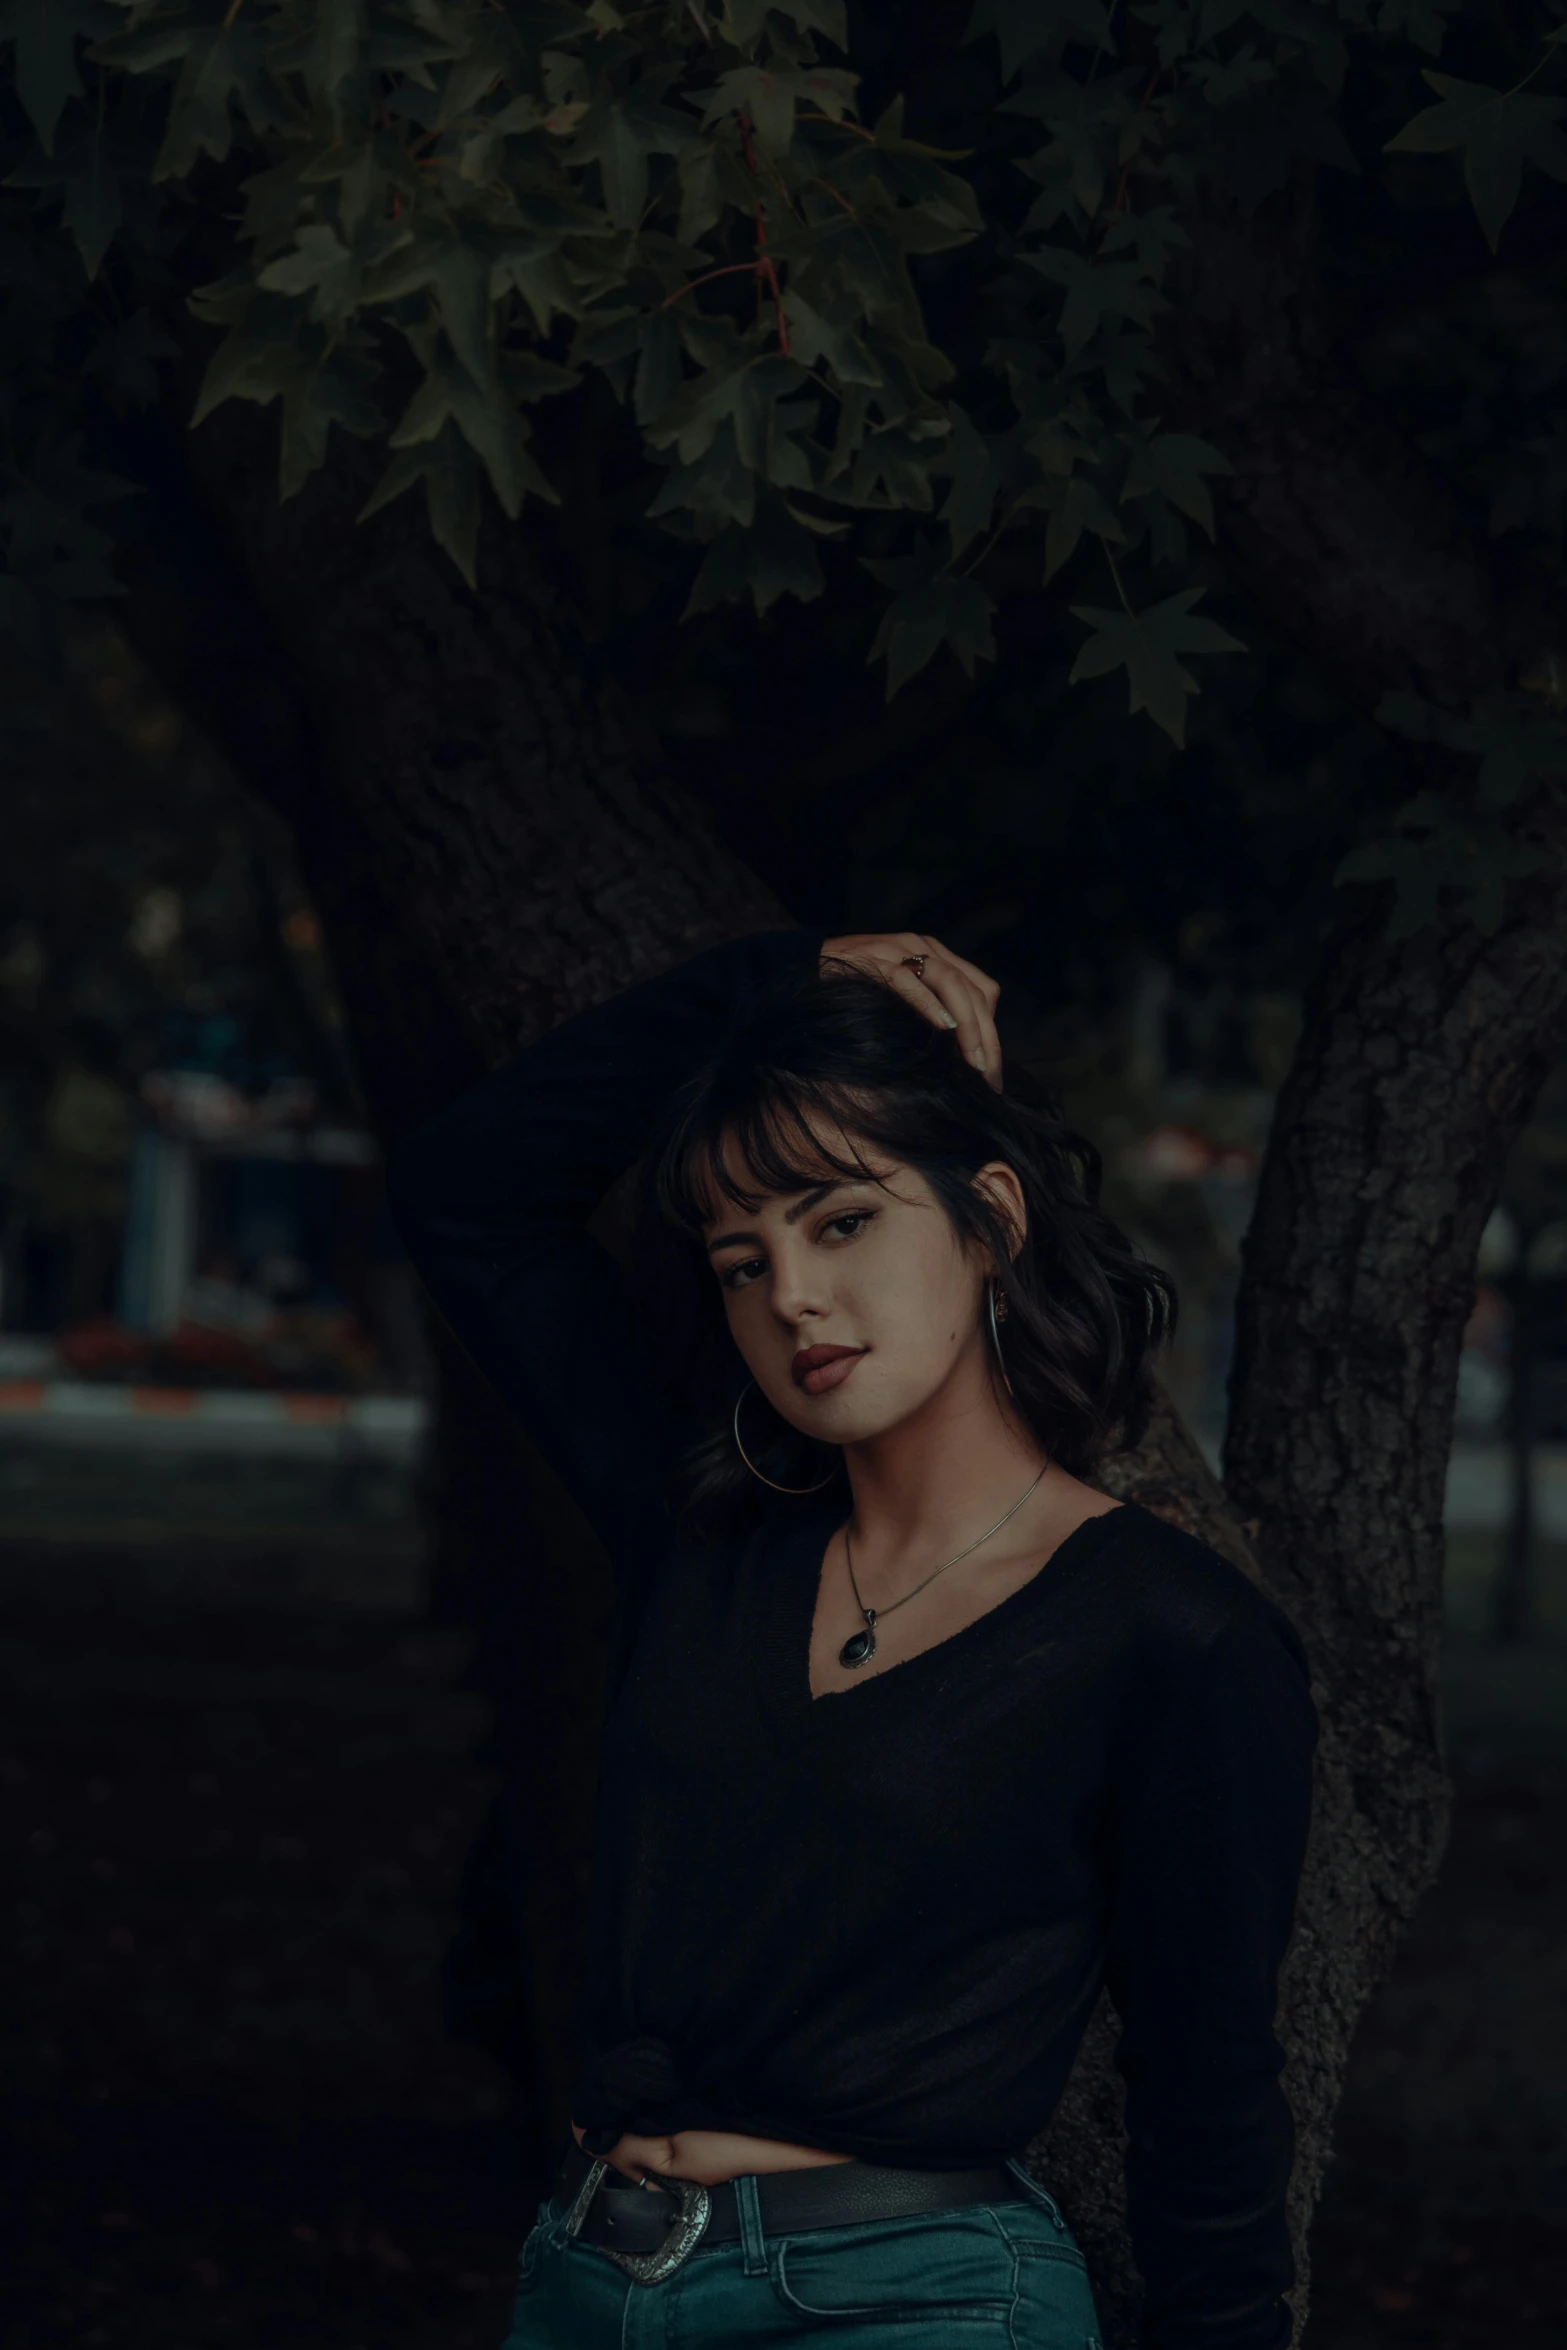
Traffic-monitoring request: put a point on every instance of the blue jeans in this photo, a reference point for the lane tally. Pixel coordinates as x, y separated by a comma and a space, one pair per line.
991, 2276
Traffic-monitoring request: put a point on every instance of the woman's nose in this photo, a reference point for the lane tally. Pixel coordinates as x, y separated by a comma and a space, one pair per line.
798, 1290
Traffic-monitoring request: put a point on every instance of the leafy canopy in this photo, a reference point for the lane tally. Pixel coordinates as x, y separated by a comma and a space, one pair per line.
446, 211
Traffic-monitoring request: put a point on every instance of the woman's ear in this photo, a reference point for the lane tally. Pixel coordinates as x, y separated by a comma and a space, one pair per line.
999, 1184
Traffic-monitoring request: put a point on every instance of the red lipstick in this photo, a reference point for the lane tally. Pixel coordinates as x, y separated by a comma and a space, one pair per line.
818, 1368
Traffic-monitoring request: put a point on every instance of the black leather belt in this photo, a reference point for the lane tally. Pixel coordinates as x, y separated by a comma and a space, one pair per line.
657, 2223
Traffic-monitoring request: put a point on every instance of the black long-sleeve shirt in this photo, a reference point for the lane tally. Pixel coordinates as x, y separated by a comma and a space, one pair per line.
876, 1921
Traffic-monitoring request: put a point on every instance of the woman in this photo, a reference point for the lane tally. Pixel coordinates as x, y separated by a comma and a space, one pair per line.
915, 1739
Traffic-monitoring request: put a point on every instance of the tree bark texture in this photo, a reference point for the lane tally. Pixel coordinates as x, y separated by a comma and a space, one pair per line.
1418, 1064
1417, 1067
490, 853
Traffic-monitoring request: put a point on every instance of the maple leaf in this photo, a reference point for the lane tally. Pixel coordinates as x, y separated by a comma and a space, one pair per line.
46, 33
931, 607
1498, 131
1147, 645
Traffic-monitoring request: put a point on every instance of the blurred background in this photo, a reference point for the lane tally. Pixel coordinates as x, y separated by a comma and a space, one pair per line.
254, 2090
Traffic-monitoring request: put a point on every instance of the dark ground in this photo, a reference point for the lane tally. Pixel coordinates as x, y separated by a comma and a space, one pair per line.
239, 1782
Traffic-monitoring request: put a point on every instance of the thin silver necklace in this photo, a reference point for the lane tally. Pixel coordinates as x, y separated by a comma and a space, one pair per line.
861, 1645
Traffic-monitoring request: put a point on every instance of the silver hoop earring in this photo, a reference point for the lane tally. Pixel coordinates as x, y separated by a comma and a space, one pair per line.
992, 1291
751, 1465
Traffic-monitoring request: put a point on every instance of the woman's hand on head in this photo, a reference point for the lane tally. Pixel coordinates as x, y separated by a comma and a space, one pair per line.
950, 992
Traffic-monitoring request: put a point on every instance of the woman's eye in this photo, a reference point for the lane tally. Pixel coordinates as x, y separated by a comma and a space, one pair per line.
846, 1226
740, 1276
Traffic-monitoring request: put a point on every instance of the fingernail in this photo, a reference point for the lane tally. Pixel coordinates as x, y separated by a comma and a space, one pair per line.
977, 1057
947, 1019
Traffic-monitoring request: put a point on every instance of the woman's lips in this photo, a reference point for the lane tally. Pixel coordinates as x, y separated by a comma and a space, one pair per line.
818, 1368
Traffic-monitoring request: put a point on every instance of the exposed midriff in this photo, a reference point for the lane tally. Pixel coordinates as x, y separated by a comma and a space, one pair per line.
710, 2156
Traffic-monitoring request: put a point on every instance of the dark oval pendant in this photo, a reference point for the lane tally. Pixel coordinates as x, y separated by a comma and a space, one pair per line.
858, 1647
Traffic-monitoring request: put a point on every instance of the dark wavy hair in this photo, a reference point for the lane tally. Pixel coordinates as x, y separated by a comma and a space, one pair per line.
806, 1080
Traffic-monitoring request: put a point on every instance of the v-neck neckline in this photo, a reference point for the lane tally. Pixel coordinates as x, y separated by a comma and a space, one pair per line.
800, 1587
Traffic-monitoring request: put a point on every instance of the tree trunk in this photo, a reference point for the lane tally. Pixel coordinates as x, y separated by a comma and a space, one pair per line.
487, 858
1417, 1066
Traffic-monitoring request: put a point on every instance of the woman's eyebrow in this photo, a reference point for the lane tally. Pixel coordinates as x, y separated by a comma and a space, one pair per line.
802, 1207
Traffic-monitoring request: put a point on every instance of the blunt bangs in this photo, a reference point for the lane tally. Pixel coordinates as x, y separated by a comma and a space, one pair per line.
776, 1135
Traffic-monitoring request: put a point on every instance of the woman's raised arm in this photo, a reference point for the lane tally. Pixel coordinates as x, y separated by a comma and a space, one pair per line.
493, 1197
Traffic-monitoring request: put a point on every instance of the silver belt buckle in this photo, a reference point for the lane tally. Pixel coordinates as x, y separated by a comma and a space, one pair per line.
693, 2208
585, 2194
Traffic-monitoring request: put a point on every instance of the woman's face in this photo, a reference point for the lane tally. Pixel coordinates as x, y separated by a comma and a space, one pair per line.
855, 1304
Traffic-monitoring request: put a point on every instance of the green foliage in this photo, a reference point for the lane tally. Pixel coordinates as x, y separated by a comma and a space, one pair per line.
1497, 132
1148, 645
932, 605
490, 201
1516, 747
1458, 848
46, 35
1439, 851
